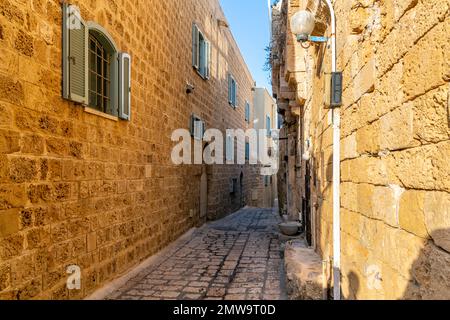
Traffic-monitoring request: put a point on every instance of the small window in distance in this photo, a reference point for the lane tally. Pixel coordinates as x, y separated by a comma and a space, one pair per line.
197, 127
247, 112
268, 126
232, 91
201, 51
247, 151
266, 181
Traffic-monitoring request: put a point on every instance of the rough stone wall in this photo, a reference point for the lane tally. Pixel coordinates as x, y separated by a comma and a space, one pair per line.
396, 61
77, 188
395, 145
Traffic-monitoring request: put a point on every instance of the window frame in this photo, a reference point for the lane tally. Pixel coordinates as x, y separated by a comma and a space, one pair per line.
75, 66
247, 151
194, 122
269, 125
247, 112
201, 48
99, 76
108, 43
232, 91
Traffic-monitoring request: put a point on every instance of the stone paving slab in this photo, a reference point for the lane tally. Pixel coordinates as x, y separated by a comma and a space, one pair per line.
236, 258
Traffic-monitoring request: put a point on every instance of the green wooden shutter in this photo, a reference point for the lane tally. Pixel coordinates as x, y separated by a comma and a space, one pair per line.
201, 56
233, 89
75, 56
195, 46
208, 60
235, 95
229, 89
247, 111
124, 86
247, 151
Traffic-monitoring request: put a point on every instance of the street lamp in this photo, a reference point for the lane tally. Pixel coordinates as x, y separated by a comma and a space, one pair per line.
302, 25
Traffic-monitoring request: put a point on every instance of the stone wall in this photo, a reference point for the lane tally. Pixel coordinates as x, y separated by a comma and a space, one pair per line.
78, 188
395, 143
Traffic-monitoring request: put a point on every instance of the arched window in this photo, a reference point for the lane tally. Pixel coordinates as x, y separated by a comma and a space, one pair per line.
102, 71
95, 73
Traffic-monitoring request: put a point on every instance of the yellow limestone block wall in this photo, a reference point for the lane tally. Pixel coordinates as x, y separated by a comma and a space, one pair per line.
395, 184
77, 188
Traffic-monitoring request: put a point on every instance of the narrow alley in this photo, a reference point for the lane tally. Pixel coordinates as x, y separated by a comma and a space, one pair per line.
236, 258
224, 150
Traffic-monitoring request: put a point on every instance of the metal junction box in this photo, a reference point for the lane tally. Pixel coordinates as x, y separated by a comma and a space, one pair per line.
336, 89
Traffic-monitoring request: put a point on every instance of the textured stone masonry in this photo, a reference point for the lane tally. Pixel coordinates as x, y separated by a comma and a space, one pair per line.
78, 188
395, 141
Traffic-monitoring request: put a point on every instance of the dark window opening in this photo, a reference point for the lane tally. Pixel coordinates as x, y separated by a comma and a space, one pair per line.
99, 76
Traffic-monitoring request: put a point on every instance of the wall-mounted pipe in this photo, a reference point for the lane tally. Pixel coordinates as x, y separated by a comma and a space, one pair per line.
336, 169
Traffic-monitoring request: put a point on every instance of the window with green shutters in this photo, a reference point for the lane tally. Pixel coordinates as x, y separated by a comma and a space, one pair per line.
95, 73
201, 52
247, 111
247, 151
99, 75
232, 91
197, 127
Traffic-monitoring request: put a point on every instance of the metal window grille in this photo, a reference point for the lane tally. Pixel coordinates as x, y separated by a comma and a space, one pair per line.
99, 76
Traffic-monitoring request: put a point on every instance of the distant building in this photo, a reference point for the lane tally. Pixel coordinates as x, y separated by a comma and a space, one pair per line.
265, 117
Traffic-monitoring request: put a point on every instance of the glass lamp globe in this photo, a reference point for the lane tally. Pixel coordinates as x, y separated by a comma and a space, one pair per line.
302, 24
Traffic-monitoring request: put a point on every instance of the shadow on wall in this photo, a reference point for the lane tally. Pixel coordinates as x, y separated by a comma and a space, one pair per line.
322, 188
429, 276
353, 281
430, 273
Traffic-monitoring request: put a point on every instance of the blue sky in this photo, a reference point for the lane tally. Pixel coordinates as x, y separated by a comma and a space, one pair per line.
250, 24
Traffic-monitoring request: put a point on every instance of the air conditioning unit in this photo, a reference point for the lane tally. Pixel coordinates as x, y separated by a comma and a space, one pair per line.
197, 127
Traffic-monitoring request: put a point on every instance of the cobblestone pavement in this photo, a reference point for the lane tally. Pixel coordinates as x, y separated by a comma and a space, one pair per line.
236, 258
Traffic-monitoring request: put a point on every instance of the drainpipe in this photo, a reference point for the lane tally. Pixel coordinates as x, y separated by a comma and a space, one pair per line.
287, 173
336, 169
